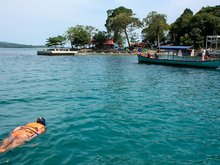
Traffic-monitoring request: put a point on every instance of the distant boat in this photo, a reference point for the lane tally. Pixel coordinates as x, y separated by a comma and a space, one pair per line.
55, 52
178, 56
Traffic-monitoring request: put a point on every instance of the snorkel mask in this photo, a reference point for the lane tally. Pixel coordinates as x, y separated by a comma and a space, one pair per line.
41, 120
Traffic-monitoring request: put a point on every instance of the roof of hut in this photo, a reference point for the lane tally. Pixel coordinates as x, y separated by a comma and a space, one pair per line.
109, 42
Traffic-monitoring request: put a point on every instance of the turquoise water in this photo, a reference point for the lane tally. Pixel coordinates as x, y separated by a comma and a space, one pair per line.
109, 110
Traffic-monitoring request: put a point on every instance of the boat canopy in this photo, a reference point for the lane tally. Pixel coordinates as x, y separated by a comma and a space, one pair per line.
175, 47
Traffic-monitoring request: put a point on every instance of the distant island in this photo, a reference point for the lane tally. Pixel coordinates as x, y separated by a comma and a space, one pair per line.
15, 45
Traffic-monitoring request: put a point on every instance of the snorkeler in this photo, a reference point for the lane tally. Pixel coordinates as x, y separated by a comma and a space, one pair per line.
22, 134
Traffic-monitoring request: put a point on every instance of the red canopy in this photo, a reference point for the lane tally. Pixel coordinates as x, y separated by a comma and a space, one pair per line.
109, 42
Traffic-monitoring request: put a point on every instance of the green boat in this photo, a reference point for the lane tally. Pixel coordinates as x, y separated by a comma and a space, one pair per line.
179, 56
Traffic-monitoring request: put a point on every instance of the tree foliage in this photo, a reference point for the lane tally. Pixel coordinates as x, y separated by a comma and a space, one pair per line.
214, 10
99, 38
55, 41
80, 35
207, 20
118, 22
195, 27
180, 27
121, 25
155, 27
208, 23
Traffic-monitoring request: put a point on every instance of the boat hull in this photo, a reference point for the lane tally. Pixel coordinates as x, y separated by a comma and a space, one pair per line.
200, 64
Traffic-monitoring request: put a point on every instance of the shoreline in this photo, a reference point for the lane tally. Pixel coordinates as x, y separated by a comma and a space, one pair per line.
69, 52
102, 53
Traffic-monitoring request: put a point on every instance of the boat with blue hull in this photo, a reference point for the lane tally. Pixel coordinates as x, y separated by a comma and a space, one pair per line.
179, 56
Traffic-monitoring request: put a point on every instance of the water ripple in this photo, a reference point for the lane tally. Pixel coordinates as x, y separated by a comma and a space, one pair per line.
109, 110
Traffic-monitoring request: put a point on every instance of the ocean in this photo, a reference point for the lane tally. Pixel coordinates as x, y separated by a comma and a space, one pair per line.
109, 109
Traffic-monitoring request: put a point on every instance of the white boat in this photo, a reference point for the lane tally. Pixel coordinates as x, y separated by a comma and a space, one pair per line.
55, 52
179, 56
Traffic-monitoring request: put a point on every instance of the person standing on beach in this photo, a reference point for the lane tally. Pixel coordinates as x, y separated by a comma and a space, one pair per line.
203, 54
22, 134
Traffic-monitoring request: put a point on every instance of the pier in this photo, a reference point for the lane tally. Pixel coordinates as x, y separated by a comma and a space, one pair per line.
57, 52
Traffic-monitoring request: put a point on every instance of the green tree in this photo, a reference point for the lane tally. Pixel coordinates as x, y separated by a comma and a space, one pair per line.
91, 31
55, 41
155, 27
208, 23
118, 22
79, 35
186, 40
196, 37
181, 27
133, 35
214, 10
189, 28
99, 38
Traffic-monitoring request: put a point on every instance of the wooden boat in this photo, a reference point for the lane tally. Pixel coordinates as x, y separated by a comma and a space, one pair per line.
179, 56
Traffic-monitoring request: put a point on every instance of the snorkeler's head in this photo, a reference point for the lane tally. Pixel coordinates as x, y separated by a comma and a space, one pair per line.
41, 120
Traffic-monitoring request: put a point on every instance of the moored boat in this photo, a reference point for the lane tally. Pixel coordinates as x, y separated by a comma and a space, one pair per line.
179, 56
55, 52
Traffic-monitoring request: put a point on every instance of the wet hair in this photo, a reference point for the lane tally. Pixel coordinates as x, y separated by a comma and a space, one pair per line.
41, 120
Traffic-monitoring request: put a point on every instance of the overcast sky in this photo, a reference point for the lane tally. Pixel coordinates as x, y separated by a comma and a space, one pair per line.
33, 21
